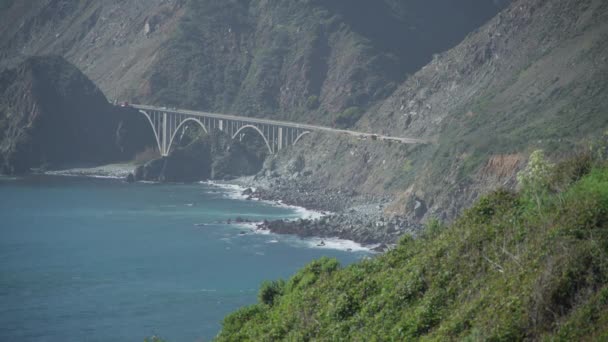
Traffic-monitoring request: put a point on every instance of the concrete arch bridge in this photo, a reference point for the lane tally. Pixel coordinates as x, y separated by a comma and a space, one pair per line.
167, 123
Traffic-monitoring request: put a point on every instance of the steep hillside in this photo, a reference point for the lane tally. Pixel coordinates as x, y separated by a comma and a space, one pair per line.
302, 60
534, 76
112, 42
529, 266
51, 113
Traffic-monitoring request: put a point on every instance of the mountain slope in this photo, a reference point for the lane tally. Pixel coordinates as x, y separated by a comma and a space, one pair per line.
304, 60
533, 77
51, 113
112, 42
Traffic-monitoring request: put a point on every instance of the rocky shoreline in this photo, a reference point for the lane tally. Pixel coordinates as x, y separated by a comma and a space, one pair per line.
350, 216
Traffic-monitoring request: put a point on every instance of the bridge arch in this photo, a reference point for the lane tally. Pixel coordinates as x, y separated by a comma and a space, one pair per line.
257, 130
160, 150
300, 137
180, 126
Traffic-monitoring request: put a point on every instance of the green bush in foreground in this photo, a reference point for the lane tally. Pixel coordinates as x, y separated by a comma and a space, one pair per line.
513, 267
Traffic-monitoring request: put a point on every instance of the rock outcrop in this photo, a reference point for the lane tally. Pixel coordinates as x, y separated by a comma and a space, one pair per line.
212, 156
51, 113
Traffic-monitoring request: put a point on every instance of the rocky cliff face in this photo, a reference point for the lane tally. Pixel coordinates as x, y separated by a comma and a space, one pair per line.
533, 77
112, 42
303, 60
212, 156
50, 113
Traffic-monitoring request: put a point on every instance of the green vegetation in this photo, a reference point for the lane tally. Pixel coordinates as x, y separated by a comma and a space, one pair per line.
312, 102
348, 117
407, 166
515, 266
534, 179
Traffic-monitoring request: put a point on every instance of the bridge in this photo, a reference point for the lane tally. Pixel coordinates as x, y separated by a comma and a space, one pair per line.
167, 122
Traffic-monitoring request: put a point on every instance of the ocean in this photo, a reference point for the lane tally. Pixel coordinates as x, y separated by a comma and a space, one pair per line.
87, 259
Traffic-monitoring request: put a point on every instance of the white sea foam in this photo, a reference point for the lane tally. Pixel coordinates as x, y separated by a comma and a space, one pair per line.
232, 191
111, 171
313, 242
248, 225
236, 192
335, 243
304, 213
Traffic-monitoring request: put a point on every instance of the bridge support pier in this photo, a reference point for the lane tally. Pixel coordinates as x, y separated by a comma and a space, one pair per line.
164, 152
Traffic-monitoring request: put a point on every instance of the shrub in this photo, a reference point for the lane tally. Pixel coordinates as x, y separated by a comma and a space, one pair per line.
311, 273
348, 117
534, 180
312, 102
569, 171
599, 149
504, 271
270, 290
432, 228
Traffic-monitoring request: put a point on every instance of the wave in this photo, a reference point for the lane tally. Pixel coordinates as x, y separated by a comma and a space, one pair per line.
302, 212
335, 243
308, 242
234, 191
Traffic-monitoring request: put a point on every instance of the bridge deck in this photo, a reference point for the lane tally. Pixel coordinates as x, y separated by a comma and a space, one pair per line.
278, 123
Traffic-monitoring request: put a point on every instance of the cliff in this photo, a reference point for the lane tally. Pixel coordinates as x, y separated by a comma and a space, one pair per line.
51, 113
533, 77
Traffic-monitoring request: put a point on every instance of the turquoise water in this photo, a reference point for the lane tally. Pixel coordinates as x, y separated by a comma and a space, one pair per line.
102, 260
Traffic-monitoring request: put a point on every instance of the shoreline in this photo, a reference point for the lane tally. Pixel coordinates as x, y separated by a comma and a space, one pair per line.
236, 189
348, 216
108, 171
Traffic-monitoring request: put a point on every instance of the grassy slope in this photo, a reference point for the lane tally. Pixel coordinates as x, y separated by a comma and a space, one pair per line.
507, 269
